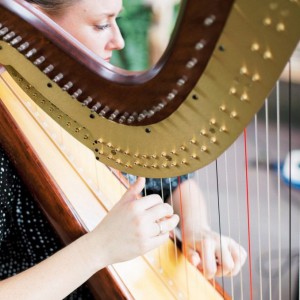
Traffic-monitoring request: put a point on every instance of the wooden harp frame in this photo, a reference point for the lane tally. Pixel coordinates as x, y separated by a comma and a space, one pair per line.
197, 148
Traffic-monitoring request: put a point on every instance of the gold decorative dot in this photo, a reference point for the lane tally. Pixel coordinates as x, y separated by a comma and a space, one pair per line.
255, 77
222, 108
244, 71
267, 55
267, 21
213, 140
154, 156
255, 47
244, 97
109, 145
137, 163
174, 164
118, 161
223, 129
193, 141
232, 91
163, 154
127, 165
273, 6
154, 166
233, 114
285, 12
203, 132
101, 152
212, 122
194, 156
183, 148
136, 155
203, 149
280, 27
144, 156
184, 162
173, 152
164, 165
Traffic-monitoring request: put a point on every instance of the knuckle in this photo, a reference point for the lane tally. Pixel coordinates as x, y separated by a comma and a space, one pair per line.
169, 209
133, 207
157, 198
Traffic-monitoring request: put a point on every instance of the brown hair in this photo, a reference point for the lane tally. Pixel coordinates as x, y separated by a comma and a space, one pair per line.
52, 5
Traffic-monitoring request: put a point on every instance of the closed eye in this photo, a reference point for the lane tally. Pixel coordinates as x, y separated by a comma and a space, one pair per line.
102, 27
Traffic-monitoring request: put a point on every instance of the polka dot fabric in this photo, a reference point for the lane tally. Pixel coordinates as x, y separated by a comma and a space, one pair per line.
26, 237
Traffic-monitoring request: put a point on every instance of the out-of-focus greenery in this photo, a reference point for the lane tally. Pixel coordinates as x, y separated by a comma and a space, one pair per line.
134, 22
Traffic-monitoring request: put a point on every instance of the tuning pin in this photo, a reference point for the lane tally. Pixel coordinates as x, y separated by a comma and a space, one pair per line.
23, 47
67, 86
39, 60
48, 69
16, 40
4, 31
58, 77
9, 36
31, 52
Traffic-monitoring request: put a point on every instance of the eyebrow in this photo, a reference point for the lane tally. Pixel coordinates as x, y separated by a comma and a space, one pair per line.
108, 14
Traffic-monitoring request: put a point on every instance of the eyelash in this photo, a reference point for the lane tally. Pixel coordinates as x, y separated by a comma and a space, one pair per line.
102, 27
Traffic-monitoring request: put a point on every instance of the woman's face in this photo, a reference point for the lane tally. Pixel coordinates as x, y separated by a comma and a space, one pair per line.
93, 23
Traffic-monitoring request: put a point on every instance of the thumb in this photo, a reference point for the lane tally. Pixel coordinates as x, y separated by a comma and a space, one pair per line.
134, 190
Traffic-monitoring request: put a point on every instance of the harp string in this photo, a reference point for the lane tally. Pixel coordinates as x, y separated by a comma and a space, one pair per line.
219, 219
258, 206
238, 212
278, 184
290, 175
268, 196
228, 213
183, 233
248, 213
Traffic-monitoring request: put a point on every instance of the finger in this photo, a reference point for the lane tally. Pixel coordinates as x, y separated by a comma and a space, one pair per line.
160, 211
159, 240
225, 259
134, 190
165, 226
148, 202
209, 263
239, 256
193, 256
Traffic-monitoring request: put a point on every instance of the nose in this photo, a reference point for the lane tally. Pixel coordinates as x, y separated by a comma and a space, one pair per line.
117, 41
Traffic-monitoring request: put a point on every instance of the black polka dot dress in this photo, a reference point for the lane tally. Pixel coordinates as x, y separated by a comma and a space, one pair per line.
26, 237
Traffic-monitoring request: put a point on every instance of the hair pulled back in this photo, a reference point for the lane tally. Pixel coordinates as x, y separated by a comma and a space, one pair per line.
53, 5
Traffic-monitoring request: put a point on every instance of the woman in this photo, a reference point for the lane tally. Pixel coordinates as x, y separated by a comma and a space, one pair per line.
143, 224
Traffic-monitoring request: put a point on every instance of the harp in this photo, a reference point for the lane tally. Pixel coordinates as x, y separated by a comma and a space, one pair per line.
38, 63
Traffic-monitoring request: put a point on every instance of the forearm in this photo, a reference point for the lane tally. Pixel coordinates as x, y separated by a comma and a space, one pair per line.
55, 277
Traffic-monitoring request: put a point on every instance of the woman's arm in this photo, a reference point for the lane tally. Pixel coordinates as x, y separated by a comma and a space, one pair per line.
131, 222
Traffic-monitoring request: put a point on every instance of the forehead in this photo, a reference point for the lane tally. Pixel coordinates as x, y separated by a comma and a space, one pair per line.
96, 7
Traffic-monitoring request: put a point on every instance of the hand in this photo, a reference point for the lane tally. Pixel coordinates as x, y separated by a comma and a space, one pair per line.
207, 254
134, 226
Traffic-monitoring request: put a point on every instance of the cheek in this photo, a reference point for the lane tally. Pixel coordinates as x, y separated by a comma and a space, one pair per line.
94, 42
